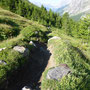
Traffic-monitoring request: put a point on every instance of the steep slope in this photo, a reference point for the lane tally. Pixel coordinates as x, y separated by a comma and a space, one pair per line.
11, 24
30, 11
10, 60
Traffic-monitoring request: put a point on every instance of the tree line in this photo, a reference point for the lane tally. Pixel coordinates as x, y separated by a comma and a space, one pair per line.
48, 18
30, 11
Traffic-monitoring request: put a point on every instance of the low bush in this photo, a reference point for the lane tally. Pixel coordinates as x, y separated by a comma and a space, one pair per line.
13, 60
6, 33
34, 33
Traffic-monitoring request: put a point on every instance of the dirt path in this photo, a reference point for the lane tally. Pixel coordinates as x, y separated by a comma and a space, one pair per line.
51, 62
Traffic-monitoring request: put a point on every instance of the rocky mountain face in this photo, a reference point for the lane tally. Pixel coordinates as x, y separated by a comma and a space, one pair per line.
77, 7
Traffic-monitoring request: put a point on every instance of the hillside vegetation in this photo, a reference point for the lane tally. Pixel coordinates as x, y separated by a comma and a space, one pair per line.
68, 51
22, 22
48, 18
16, 30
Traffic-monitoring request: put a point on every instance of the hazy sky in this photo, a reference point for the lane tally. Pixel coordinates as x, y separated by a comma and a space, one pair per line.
50, 3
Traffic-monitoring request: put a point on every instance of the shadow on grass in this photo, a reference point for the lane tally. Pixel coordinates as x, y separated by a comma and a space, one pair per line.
8, 22
30, 74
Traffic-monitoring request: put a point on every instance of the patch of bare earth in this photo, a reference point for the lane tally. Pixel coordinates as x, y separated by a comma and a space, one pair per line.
51, 62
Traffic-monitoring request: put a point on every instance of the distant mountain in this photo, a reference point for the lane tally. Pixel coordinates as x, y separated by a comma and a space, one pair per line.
48, 7
53, 9
61, 10
76, 8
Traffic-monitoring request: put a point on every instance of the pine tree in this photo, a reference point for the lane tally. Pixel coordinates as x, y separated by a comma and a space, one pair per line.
66, 24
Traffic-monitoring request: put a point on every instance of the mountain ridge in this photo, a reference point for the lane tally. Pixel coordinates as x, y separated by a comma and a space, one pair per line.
75, 8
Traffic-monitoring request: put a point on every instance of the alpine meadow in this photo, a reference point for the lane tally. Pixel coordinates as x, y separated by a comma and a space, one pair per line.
44, 49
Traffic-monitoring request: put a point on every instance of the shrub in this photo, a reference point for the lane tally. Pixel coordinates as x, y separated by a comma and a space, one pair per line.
6, 33
13, 60
34, 33
28, 33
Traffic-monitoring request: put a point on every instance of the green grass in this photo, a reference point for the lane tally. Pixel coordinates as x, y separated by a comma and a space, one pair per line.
82, 44
9, 23
14, 61
68, 50
75, 54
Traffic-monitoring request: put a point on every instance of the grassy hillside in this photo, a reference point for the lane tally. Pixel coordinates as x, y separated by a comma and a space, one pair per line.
31, 11
11, 24
19, 31
75, 54
13, 29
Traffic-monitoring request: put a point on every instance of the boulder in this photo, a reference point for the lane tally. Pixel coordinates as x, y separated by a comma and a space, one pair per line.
3, 62
22, 50
59, 72
55, 37
26, 88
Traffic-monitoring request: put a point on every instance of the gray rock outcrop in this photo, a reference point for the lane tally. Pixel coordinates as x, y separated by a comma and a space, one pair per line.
78, 6
22, 50
58, 72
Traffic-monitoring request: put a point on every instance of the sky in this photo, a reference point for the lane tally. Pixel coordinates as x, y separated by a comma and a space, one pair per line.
50, 3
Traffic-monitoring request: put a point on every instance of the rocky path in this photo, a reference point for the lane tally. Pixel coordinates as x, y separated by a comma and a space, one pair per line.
31, 73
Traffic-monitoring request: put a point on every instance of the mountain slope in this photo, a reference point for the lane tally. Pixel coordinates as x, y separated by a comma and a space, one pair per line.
30, 11
76, 8
61, 10
11, 22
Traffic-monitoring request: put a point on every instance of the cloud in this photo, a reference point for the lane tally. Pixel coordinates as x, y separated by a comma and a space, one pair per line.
51, 3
